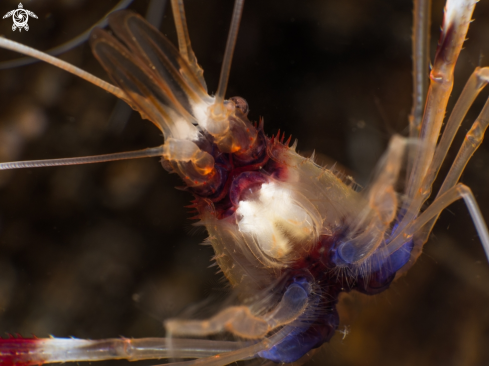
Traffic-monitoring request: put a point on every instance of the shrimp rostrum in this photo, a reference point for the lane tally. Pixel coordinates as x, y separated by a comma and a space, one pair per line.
289, 235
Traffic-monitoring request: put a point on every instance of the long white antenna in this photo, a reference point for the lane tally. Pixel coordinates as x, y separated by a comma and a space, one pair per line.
144, 153
28, 51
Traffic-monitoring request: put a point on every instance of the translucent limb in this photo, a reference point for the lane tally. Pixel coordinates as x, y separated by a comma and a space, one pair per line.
152, 96
38, 351
196, 167
236, 319
477, 81
240, 321
373, 221
121, 112
144, 153
28, 51
421, 43
151, 48
238, 355
184, 40
163, 88
471, 143
421, 52
438, 205
455, 26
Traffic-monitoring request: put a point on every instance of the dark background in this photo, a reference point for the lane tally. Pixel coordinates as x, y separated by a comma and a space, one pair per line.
108, 250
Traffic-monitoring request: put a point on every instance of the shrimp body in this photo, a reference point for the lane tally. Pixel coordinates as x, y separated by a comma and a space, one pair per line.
279, 223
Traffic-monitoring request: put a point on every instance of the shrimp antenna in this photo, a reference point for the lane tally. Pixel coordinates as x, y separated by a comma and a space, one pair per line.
228, 56
144, 153
28, 51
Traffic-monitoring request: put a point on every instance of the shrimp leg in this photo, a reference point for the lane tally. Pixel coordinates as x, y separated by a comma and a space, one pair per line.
455, 27
240, 320
380, 209
472, 141
421, 51
439, 204
475, 84
477, 81
28, 351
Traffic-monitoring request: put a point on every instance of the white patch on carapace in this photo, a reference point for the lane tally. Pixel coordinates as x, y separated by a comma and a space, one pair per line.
184, 130
200, 111
181, 129
275, 220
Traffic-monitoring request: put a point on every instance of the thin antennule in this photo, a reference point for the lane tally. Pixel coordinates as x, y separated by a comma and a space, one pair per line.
28, 51
228, 55
144, 153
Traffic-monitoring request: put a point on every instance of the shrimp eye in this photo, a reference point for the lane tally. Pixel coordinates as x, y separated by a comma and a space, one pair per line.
241, 104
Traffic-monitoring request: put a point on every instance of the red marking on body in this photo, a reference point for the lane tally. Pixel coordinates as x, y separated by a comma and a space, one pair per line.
20, 351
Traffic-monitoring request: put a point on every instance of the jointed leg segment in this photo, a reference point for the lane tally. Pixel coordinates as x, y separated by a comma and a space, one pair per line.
423, 171
440, 203
455, 26
471, 143
240, 321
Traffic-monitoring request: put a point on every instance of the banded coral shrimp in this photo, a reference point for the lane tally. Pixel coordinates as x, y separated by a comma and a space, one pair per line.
331, 143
